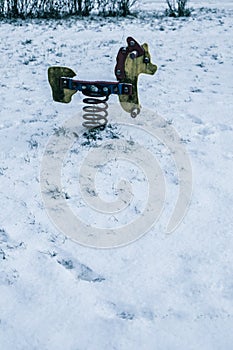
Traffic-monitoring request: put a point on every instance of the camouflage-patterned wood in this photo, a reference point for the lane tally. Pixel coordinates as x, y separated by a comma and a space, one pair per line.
134, 67
54, 75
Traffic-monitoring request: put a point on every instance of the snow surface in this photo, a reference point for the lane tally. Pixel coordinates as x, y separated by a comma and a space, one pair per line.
162, 291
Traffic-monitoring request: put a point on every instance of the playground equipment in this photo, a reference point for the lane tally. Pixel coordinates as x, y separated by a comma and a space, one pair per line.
131, 61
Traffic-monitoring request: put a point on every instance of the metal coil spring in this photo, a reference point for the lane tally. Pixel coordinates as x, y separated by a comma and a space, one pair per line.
94, 115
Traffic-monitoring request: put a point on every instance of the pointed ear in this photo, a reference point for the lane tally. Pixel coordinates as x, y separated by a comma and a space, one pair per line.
145, 47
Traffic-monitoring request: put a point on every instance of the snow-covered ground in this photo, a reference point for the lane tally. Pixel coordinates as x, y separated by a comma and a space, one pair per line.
162, 292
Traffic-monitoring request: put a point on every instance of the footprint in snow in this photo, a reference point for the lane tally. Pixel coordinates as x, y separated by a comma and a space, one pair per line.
81, 271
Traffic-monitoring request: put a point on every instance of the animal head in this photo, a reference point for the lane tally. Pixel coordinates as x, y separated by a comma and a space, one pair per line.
133, 66
140, 64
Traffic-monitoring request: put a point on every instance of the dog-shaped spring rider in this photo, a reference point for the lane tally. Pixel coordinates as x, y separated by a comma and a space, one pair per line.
131, 61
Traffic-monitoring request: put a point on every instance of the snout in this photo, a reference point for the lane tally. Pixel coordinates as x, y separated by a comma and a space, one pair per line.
151, 68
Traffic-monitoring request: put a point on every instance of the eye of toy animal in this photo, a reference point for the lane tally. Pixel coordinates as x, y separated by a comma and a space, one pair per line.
146, 60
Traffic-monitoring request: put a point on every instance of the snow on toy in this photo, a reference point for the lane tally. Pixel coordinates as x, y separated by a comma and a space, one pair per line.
131, 61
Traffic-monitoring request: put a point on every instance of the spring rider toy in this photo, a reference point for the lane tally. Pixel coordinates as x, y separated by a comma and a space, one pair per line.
131, 61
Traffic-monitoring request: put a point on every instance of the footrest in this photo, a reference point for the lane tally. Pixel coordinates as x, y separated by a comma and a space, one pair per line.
64, 87
96, 88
